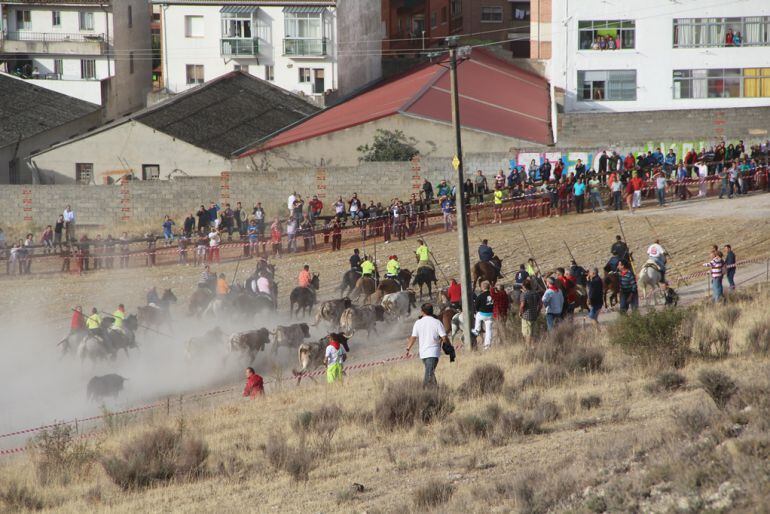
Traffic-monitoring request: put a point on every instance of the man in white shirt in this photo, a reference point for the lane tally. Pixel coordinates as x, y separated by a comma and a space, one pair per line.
214, 240
69, 223
290, 203
431, 334
658, 254
703, 172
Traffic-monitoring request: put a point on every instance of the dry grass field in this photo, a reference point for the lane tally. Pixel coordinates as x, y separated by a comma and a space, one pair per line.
663, 413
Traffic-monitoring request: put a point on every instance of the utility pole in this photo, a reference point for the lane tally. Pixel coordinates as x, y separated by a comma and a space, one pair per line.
462, 226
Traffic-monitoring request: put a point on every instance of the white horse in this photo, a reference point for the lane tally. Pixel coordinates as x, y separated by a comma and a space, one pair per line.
650, 277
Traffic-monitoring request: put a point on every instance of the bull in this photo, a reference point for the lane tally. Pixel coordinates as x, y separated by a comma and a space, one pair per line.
107, 386
250, 342
291, 336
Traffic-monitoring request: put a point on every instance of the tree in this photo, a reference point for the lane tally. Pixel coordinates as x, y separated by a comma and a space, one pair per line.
389, 146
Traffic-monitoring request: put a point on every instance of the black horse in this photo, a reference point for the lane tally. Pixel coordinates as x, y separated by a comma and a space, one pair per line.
304, 297
349, 280
425, 276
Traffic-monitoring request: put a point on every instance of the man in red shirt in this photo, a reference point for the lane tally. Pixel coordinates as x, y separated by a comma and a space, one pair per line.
254, 384
316, 206
78, 322
502, 303
635, 186
455, 294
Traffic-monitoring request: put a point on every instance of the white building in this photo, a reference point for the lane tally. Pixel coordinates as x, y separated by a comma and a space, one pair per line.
307, 47
619, 55
93, 50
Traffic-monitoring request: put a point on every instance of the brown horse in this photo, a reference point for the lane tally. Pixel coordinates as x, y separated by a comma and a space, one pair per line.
365, 286
487, 271
611, 288
199, 300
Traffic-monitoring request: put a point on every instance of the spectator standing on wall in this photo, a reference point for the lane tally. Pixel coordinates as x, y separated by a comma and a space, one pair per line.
203, 218
69, 223
427, 190
58, 231
189, 225
47, 240
168, 231
480, 185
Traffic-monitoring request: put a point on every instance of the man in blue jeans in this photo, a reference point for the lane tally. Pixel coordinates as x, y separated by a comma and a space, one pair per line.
629, 296
553, 301
717, 272
730, 262
431, 335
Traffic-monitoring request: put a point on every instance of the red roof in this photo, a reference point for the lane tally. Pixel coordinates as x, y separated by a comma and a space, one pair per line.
495, 97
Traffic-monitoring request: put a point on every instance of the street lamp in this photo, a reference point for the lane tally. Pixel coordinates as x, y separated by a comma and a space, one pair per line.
457, 162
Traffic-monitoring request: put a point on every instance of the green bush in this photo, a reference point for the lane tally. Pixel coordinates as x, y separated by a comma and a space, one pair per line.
718, 385
404, 403
483, 380
655, 336
59, 456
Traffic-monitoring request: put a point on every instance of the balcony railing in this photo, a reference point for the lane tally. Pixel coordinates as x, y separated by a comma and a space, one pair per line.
54, 37
239, 46
304, 47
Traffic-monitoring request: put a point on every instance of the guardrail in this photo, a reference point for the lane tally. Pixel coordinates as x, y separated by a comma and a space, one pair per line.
54, 37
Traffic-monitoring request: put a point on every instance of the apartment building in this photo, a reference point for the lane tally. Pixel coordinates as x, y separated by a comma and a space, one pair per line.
656, 55
94, 50
321, 49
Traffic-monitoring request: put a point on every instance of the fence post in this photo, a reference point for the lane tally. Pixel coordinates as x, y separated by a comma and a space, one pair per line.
77, 428
168, 406
767, 269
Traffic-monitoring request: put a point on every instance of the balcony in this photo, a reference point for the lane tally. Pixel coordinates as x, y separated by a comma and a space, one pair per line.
304, 47
27, 42
239, 46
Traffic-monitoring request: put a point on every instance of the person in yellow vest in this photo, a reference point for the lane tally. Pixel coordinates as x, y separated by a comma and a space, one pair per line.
223, 288
367, 267
423, 255
120, 316
498, 209
94, 322
393, 268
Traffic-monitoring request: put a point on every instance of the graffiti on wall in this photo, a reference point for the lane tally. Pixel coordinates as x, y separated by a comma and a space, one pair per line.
590, 157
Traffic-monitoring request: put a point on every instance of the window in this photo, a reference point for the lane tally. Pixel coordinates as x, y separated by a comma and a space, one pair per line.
303, 25
318, 81
456, 8
150, 172
193, 26
194, 73
443, 15
130, 17
84, 172
722, 83
433, 19
304, 75
607, 35
238, 67
493, 14
23, 20
721, 32
269, 72
607, 85
58, 68
520, 11
236, 26
88, 69
56, 18
86, 20
131, 62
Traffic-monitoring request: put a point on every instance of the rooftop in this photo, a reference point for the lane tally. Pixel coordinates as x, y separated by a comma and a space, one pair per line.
263, 3
27, 110
495, 97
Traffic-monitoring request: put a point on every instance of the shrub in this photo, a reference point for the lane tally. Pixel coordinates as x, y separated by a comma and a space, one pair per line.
729, 315
669, 381
433, 494
712, 341
474, 426
58, 455
389, 146
156, 456
323, 420
759, 336
553, 348
515, 423
585, 359
297, 462
404, 403
483, 380
546, 411
19, 497
544, 376
656, 336
693, 421
590, 402
718, 385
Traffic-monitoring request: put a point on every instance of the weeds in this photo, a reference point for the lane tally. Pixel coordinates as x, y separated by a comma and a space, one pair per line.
729, 315
668, 381
718, 385
483, 380
59, 456
759, 337
156, 456
591, 401
19, 497
297, 462
693, 421
404, 403
656, 336
585, 359
544, 376
433, 494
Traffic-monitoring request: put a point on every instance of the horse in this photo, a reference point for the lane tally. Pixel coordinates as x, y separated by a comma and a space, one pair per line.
487, 270
386, 287
349, 280
72, 340
611, 289
304, 297
649, 276
425, 276
125, 337
199, 301
157, 316
404, 278
110, 340
365, 286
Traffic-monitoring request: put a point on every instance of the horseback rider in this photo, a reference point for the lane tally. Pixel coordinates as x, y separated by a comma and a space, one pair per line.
78, 322
355, 261
579, 273
423, 255
454, 295
223, 288
485, 251
619, 251
367, 267
152, 297
120, 316
263, 266
94, 323
531, 267
520, 276
393, 268
206, 278
658, 256
305, 277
